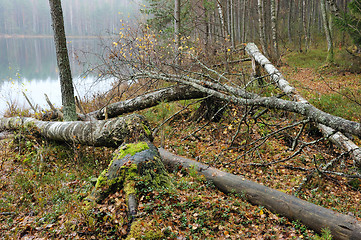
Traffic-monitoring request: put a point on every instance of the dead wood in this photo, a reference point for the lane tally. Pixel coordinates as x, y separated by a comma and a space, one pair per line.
170, 94
313, 216
338, 138
109, 133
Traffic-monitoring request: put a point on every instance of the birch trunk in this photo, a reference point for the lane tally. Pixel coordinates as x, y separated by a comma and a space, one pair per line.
148, 100
109, 133
222, 20
177, 25
274, 29
338, 138
240, 96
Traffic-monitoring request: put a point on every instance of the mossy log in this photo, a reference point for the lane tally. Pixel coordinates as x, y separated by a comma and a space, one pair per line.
109, 133
132, 162
313, 216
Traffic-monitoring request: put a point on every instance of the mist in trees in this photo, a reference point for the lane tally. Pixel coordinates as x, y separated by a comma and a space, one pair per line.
81, 17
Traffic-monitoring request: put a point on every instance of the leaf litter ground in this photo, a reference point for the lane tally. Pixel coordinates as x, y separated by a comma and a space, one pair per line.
43, 185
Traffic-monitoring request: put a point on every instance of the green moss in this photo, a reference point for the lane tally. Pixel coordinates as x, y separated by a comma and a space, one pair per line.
131, 176
123, 151
131, 148
127, 174
146, 129
145, 230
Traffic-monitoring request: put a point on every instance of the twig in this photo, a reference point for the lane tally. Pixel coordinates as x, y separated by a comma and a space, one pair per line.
293, 155
295, 141
263, 140
28, 100
232, 62
87, 117
7, 213
201, 127
59, 113
156, 129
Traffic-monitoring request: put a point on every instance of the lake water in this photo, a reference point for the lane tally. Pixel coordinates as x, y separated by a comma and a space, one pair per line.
29, 65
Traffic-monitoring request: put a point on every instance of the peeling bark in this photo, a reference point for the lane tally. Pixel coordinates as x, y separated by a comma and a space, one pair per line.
338, 138
110, 133
313, 216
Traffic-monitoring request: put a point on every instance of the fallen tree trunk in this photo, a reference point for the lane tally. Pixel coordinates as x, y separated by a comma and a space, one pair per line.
136, 158
338, 138
170, 94
313, 216
109, 133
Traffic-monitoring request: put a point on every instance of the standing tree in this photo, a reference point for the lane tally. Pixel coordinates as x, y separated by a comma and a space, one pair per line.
349, 22
274, 29
177, 19
66, 82
326, 25
262, 31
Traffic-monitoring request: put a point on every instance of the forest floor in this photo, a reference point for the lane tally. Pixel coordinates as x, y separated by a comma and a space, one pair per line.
43, 184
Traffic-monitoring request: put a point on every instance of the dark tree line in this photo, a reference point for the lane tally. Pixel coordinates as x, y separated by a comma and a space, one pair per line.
272, 23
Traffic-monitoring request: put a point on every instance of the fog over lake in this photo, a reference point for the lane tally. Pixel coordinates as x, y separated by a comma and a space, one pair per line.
27, 51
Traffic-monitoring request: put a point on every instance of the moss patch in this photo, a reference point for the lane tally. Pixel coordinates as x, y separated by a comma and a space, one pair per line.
145, 230
131, 149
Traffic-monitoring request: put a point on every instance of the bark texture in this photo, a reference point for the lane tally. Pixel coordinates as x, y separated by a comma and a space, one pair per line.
240, 96
262, 31
338, 138
315, 217
152, 99
66, 82
327, 28
110, 133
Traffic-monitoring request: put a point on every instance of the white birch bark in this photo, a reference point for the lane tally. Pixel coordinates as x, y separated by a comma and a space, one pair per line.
338, 138
110, 133
274, 29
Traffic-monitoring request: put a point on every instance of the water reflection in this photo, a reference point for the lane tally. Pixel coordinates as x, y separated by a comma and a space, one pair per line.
29, 65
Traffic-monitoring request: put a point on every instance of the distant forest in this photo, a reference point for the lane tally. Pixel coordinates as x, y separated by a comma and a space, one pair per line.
81, 17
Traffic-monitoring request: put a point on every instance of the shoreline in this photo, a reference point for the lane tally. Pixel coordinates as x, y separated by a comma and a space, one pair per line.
23, 36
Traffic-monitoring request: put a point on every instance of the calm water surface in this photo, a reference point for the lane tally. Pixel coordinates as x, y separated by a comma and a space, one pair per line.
29, 65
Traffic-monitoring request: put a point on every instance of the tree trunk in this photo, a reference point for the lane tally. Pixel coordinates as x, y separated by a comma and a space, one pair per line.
109, 133
148, 100
330, 55
66, 82
222, 20
274, 29
289, 20
304, 23
338, 138
244, 37
261, 25
313, 216
177, 25
240, 96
